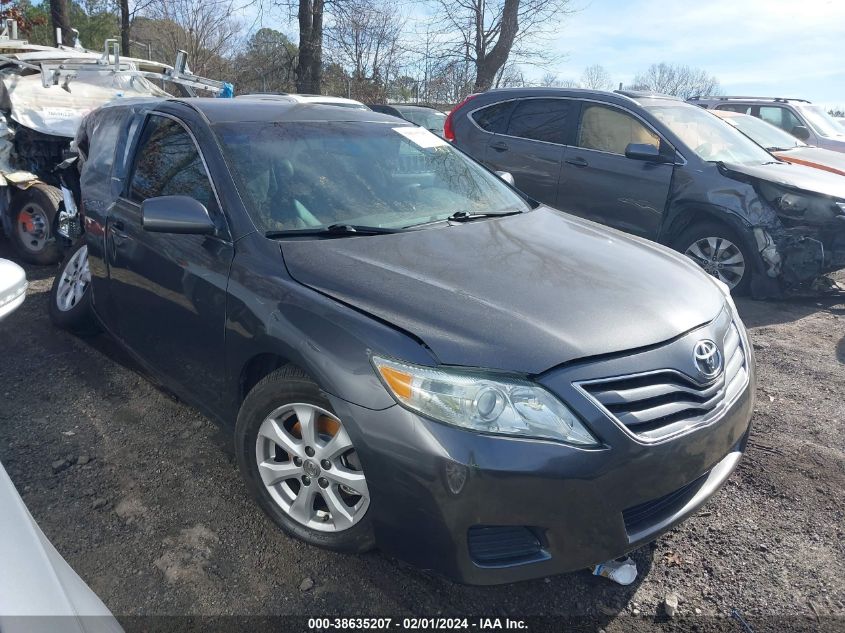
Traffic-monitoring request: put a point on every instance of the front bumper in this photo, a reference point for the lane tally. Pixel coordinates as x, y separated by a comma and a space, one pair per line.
433, 485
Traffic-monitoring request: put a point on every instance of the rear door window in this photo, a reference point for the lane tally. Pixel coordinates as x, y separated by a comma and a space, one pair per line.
541, 120
611, 130
494, 118
735, 107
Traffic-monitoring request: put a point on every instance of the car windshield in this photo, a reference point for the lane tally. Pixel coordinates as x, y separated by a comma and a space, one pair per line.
821, 121
764, 134
708, 137
313, 175
429, 119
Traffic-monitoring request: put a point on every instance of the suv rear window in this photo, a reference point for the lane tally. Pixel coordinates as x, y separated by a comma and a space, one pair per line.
493, 118
541, 120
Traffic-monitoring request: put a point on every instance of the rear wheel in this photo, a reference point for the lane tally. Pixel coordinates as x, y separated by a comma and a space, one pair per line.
34, 212
70, 296
300, 464
720, 252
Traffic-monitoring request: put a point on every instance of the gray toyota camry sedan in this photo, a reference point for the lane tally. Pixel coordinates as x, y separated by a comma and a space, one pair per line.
409, 353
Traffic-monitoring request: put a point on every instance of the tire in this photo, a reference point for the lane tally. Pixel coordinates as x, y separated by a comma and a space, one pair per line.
70, 296
276, 394
717, 248
34, 211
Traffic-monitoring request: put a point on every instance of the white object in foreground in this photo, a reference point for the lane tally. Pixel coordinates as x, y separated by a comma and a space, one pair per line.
13, 285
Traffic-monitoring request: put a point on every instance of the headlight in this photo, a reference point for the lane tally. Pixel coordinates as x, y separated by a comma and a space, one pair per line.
482, 402
808, 208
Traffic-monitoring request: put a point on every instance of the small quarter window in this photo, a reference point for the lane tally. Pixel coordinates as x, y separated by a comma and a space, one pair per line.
494, 118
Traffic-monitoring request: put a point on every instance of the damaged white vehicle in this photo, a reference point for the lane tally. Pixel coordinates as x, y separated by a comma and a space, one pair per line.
44, 93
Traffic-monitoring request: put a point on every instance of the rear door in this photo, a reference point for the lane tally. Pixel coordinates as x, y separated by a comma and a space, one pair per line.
533, 146
601, 184
170, 290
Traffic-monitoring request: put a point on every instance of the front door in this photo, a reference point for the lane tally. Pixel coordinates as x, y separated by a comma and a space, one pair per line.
532, 147
169, 290
598, 182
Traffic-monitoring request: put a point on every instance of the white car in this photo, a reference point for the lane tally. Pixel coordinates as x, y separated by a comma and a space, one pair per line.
13, 285
38, 589
303, 98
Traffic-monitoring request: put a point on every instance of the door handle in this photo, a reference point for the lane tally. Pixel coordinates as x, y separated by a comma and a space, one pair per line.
499, 146
577, 161
118, 225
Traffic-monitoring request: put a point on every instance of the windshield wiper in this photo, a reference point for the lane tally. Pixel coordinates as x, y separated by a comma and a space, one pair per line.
332, 230
466, 216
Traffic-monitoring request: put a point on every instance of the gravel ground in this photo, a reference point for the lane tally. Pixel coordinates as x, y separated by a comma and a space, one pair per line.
141, 495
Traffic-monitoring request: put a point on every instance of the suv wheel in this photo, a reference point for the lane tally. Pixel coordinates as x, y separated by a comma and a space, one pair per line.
34, 213
720, 252
300, 464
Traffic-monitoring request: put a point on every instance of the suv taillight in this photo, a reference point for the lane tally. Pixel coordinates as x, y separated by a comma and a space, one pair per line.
448, 127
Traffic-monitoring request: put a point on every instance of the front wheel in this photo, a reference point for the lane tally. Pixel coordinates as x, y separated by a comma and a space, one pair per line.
70, 296
299, 463
720, 252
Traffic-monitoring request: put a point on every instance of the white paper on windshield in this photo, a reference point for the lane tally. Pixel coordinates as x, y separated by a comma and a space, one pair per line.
420, 137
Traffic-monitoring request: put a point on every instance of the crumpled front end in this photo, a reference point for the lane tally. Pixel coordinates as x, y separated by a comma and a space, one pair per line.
803, 237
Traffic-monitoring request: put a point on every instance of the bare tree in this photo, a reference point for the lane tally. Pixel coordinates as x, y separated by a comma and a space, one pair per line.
364, 39
205, 29
595, 77
551, 80
677, 80
60, 19
490, 32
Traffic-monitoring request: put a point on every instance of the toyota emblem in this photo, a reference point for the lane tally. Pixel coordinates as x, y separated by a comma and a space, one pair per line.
708, 358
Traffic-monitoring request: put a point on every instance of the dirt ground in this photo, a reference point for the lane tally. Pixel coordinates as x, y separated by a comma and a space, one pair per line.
141, 495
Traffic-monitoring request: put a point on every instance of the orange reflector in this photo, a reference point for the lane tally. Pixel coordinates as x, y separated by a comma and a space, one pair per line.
398, 381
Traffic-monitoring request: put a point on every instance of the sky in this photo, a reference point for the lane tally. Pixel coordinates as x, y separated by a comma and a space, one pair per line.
773, 48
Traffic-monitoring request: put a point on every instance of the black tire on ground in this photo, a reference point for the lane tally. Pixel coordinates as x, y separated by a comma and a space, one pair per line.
702, 230
78, 317
42, 200
289, 385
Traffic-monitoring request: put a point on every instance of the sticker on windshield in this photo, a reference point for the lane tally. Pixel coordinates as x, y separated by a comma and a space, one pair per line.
420, 137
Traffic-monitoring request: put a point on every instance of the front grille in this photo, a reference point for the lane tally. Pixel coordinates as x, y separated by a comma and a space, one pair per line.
661, 403
642, 516
503, 545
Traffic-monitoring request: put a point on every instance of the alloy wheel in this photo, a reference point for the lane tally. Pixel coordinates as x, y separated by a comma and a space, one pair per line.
74, 280
310, 468
719, 257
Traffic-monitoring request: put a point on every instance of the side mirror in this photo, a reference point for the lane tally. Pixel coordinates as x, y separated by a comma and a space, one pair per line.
801, 132
507, 177
176, 214
643, 151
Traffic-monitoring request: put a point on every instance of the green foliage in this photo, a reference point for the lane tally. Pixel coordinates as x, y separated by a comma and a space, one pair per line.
95, 20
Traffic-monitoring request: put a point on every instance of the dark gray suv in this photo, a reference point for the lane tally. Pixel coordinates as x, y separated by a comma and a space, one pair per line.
408, 353
662, 169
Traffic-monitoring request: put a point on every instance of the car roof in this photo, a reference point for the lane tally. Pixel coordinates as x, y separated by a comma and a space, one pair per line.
268, 110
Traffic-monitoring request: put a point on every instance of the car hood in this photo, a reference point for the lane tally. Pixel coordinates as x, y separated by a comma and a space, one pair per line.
522, 293
817, 157
794, 176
